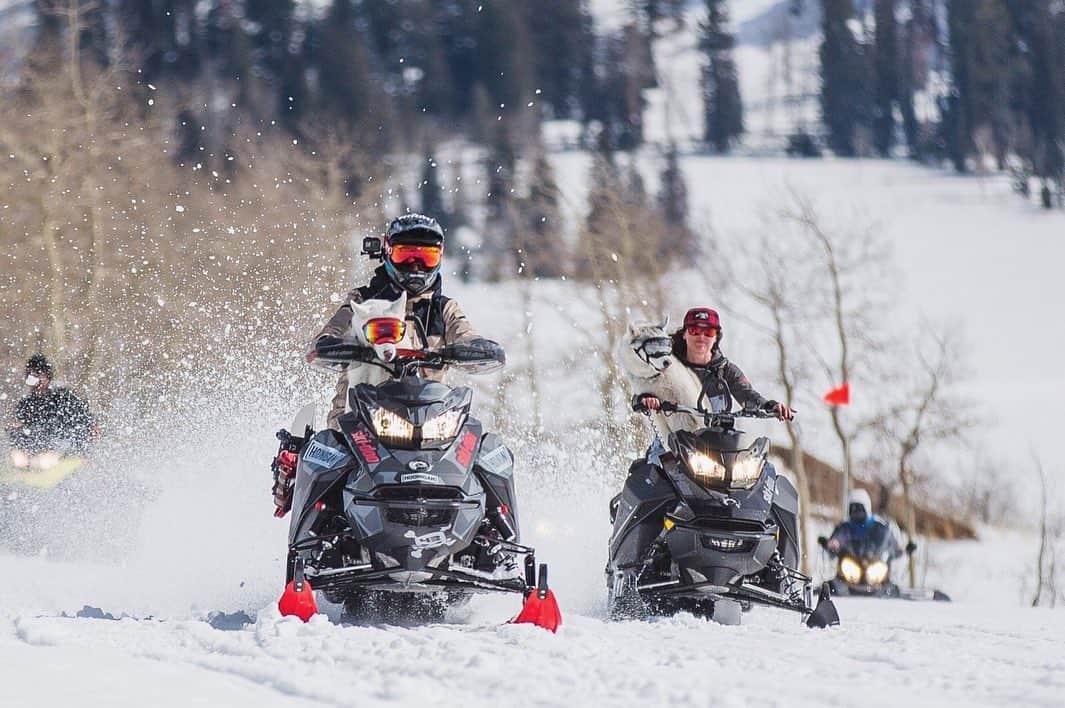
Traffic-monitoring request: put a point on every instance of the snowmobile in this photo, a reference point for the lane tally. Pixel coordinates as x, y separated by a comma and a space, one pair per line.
410, 508
864, 567
709, 527
36, 481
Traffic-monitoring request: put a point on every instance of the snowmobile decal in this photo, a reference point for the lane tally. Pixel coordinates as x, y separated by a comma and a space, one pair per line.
323, 455
497, 461
466, 448
421, 477
365, 446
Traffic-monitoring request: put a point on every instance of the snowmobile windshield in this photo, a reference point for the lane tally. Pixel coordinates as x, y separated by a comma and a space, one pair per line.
875, 543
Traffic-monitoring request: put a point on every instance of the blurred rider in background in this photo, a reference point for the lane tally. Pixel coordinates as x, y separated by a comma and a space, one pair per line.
50, 418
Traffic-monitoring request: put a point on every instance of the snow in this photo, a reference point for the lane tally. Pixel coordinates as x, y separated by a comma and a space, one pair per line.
199, 538
886, 652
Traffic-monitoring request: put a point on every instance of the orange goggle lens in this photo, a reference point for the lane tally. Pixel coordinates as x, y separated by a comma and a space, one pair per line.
384, 330
403, 253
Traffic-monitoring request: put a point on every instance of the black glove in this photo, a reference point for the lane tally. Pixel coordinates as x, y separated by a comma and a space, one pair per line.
770, 406
326, 341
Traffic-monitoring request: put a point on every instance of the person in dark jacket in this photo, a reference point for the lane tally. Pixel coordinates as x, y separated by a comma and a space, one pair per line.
862, 525
413, 249
49, 418
698, 346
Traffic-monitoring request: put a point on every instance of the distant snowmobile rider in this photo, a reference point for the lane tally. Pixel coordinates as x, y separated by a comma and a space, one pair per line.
698, 346
412, 251
49, 418
861, 522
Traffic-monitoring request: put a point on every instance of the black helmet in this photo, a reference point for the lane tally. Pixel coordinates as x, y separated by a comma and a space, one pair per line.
417, 273
38, 365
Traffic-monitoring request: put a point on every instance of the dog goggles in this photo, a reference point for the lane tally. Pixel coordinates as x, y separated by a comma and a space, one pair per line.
406, 253
384, 330
695, 330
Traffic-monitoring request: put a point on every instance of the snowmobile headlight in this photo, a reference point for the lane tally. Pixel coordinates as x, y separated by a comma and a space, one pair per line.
391, 426
851, 570
705, 469
746, 471
46, 460
876, 572
20, 459
443, 426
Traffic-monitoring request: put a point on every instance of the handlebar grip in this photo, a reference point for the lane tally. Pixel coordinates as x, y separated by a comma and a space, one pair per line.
668, 407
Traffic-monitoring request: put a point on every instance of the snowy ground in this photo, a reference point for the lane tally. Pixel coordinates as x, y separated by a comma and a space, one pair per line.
886, 652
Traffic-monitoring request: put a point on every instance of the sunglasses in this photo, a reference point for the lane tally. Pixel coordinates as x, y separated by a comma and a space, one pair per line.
696, 330
384, 330
404, 254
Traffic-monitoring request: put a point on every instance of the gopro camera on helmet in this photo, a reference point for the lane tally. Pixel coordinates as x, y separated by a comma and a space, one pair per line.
373, 247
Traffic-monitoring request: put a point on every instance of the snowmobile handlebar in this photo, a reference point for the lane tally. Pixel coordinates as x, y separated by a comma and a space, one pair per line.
476, 356
711, 418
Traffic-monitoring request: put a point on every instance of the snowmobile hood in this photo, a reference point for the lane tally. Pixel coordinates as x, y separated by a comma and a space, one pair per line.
414, 391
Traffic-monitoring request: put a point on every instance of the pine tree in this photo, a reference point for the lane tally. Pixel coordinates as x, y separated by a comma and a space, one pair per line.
679, 240
886, 64
845, 80
343, 71
542, 245
980, 38
1040, 29
722, 106
562, 41
431, 194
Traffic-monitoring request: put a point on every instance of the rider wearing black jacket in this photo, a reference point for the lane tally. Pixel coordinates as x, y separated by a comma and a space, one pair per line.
49, 418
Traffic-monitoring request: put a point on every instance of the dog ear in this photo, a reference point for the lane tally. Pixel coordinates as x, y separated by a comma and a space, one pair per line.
665, 324
633, 329
398, 308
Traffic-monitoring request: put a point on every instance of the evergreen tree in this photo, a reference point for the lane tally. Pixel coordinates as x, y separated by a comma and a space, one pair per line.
886, 64
722, 106
678, 240
627, 69
845, 95
343, 71
1040, 28
542, 245
505, 56
562, 41
980, 39
431, 195
500, 227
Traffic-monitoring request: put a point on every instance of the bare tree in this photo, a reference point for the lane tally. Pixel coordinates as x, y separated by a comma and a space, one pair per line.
769, 277
929, 412
850, 263
1051, 532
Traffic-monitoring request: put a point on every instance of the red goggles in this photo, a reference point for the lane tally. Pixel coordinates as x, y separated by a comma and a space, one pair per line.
696, 330
406, 254
384, 330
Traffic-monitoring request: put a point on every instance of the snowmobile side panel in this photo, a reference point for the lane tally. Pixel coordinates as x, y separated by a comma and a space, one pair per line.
645, 499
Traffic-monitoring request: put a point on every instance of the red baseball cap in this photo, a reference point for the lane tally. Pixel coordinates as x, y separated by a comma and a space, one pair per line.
702, 317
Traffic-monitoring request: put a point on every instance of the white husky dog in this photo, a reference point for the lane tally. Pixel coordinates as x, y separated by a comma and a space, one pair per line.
646, 357
363, 312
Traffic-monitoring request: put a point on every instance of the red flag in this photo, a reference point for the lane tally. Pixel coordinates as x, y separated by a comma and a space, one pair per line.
839, 396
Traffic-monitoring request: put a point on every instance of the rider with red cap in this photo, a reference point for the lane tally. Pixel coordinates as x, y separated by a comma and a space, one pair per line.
697, 345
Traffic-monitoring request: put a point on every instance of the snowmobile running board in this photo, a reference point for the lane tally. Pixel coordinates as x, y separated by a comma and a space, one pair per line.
824, 614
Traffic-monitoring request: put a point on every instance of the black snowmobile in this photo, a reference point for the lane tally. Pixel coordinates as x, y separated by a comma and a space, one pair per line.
708, 526
863, 567
411, 507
